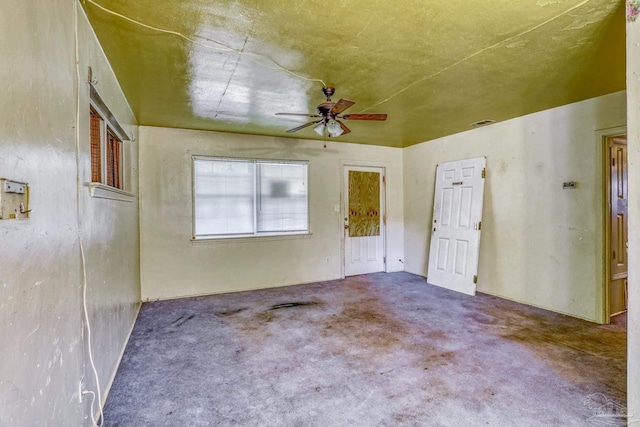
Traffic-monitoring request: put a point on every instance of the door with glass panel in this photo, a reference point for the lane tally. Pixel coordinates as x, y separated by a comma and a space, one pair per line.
364, 220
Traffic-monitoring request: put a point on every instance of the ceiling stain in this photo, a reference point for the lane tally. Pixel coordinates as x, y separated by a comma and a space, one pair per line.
433, 68
517, 43
547, 2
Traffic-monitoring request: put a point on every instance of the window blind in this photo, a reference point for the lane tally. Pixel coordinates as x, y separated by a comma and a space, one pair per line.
249, 197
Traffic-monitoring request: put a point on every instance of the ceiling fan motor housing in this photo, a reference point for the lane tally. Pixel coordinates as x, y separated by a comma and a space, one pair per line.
324, 109
328, 91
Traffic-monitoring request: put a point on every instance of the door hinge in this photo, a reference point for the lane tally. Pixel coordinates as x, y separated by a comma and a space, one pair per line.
613, 161
384, 179
484, 172
475, 279
614, 254
478, 225
384, 260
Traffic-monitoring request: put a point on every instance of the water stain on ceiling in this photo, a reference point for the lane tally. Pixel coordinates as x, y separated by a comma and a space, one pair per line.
433, 67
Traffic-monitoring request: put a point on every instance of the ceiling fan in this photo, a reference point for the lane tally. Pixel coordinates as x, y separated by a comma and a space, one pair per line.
329, 112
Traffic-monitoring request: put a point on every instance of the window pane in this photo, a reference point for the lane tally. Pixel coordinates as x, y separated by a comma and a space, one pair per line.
282, 197
96, 158
113, 160
223, 197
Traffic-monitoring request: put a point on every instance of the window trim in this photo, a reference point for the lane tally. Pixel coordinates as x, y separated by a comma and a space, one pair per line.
103, 191
101, 107
239, 237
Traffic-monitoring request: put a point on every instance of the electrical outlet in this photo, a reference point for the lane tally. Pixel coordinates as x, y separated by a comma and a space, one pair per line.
326, 261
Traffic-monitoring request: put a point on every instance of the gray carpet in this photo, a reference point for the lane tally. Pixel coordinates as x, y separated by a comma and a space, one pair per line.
372, 350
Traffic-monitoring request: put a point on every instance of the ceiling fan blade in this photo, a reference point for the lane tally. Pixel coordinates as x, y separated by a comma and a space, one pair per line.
297, 114
341, 105
303, 126
344, 127
378, 117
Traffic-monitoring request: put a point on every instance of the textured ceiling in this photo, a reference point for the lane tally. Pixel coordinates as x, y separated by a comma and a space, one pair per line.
434, 67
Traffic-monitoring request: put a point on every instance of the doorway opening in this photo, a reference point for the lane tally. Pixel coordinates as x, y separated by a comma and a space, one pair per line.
616, 225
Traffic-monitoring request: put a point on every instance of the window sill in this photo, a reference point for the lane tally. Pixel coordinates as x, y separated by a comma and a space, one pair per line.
102, 191
244, 239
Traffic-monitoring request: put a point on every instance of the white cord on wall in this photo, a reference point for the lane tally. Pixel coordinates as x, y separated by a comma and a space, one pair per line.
89, 348
79, 225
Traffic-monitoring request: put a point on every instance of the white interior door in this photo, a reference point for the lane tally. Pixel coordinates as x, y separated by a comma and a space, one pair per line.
364, 220
457, 221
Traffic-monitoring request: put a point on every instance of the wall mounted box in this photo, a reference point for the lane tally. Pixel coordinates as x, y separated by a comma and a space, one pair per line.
14, 199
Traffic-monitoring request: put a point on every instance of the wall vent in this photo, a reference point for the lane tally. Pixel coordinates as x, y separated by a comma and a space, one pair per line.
482, 123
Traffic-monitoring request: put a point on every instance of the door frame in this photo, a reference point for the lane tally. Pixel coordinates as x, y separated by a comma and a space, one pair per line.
343, 203
603, 137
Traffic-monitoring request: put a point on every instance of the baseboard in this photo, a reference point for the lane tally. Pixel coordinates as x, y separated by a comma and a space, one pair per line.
237, 290
565, 313
105, 394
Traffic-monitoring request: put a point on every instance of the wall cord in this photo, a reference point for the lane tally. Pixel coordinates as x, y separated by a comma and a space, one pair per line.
223, 48
79, 225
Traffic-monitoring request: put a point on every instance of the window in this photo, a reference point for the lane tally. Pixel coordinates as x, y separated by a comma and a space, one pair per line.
107, 151
96, 144
240, 198
104, 140
114, 160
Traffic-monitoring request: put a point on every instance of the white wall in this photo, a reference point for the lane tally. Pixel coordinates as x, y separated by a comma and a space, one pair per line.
41, 326
633, 147
540, 244
173, 266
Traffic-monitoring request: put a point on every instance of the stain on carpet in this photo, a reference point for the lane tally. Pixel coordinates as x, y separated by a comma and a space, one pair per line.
293, 304
590, 356
365, 323
382, 349
182, 320
230, 312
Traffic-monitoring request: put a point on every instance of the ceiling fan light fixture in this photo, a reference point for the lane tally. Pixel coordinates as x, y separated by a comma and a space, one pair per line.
326, 114
334, 128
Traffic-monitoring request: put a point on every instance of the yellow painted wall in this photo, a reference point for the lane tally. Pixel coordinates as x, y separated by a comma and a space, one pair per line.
41, 328
172, 266
540, 244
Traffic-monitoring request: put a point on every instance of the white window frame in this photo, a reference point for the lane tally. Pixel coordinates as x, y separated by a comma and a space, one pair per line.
255, 234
